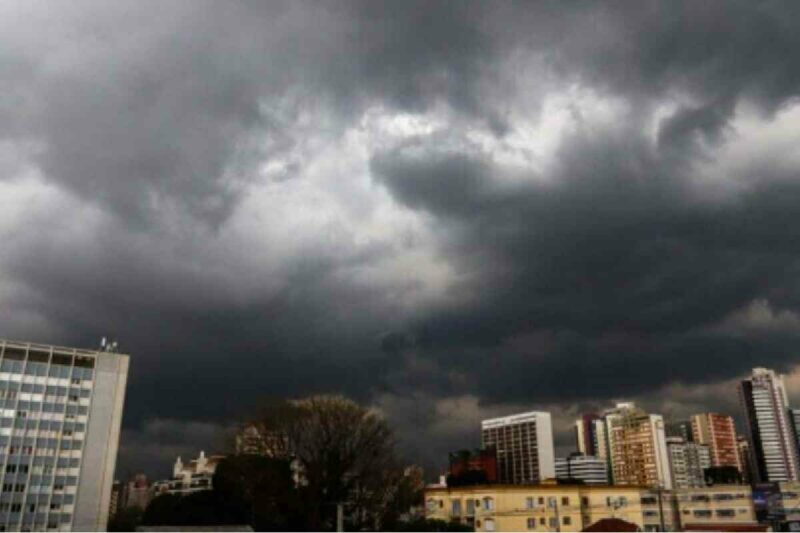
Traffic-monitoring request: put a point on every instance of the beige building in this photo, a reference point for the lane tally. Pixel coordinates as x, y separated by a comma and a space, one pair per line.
533, 507
551, 507
637, 447
716, 506
718, 433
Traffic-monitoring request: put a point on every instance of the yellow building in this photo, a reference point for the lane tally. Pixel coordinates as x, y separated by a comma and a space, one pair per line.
718, 505
552, 507
547, 507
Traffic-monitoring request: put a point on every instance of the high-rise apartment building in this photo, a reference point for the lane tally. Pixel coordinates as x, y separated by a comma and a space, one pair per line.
718, 432
587, 468
590, 435
524, 445
585, 434
59, 433
688, 461
637, 447
772, 439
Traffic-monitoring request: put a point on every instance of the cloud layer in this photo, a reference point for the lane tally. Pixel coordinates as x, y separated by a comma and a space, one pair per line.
446, 210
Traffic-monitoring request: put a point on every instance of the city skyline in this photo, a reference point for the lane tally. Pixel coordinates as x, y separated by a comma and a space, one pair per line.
446, 211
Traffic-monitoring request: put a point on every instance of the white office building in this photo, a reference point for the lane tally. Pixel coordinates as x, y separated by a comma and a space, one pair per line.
60, 416
524, 444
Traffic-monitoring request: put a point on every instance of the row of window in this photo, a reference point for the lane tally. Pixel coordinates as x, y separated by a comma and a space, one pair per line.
551, 523
6, 507
34, 489
12, 389
487, 503
715, 497
41, 370
720, 513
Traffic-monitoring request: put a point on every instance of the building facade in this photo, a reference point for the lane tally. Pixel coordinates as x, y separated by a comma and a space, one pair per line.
718, 432
524, 446
716, 508
195, 476
59, 434
745, 459
555, 507
587, 468
688, 461
637, 447
769, 430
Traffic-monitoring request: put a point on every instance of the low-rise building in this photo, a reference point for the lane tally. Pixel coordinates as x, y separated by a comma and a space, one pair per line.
194, 476
559, 507
545, 507
718, 507
783, 506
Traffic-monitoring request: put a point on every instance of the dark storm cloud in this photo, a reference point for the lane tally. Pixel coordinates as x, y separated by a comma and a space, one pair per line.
208, 183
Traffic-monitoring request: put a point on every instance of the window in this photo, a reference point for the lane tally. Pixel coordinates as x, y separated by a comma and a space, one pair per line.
541, 500
585, 501
542, 521
22, 414
488, 504
702, 513
55, 506
529, 503
564, 501
488, 524
16, 507
726, 513
531, 523
470, 507
553, 522
10, 469
19, 487
551, 502
32, 508
567, 520
455, 507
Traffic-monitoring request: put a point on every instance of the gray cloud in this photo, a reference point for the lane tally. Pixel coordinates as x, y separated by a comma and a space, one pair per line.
447, 210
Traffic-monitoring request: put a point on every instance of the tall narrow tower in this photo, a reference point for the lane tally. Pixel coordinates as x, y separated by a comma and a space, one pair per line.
769, 430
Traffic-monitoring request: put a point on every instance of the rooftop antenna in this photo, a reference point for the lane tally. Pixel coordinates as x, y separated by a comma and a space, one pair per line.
108, 346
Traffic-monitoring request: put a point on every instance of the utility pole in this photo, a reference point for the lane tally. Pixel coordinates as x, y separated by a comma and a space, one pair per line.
339, 517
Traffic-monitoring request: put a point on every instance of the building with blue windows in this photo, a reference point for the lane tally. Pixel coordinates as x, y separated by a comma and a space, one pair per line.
60, 417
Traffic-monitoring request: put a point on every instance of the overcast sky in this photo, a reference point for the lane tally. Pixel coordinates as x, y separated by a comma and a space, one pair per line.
446, 210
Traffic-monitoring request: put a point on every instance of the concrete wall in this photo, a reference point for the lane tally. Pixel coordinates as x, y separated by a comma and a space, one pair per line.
102, 441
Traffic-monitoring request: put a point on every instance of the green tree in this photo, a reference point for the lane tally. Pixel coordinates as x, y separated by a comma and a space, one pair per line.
344, 454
